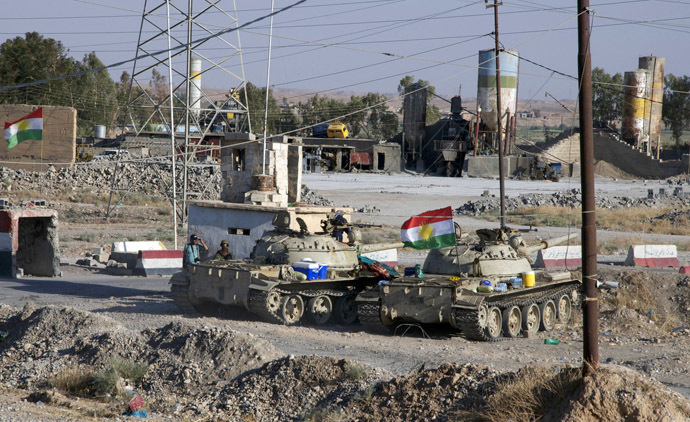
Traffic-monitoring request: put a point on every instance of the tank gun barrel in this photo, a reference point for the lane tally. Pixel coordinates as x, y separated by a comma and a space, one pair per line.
552, 242
374, 247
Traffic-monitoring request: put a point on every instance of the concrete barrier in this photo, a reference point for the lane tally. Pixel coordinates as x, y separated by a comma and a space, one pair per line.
685, 269
653, 256
559, 257
159, 262
388, 256
152, 245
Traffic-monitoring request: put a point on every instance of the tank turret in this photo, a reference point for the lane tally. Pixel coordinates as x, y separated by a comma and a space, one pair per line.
500, 252
283, 246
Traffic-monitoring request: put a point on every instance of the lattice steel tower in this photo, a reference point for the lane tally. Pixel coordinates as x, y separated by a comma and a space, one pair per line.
203, 42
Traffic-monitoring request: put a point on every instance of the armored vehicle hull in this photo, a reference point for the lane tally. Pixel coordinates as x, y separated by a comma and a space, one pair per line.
475, 315
280, 284
269, 291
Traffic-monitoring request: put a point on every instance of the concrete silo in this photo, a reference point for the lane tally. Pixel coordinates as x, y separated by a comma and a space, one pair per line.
636, 108
195, 86
414, 121
656, 66
486, 86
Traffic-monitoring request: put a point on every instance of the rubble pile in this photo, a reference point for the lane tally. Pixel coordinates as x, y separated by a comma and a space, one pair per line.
198, 371
150, 178
570, 199
313, 198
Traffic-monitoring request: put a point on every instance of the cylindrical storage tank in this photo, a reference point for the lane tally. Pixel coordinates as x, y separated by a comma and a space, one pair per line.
509, 61
656, 66
414, 119
99, 131
195, 86
636, 108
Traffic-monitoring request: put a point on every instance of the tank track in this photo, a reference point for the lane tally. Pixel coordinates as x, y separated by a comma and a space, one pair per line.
467, 320
370, 316
258, 305
180, 295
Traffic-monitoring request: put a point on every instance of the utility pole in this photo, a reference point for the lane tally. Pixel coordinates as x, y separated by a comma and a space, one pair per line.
589, 231
499, 116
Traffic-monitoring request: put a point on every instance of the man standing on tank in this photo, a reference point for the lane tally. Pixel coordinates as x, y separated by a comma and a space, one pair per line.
191, 250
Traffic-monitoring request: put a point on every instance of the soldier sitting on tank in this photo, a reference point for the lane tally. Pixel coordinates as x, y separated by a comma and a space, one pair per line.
191, 250
341, 225
223, 253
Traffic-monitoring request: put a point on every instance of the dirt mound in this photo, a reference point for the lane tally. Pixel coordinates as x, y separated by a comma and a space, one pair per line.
295, 388
616, 393
432, 394
648, 305
606, 169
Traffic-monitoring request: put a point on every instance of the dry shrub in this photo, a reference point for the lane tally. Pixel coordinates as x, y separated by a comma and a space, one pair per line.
77, 381
639, 219
527, 395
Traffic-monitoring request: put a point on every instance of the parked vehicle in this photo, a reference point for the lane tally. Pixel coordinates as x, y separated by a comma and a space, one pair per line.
111, 154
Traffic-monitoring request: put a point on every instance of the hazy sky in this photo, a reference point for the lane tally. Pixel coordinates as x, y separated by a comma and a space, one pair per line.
435, 40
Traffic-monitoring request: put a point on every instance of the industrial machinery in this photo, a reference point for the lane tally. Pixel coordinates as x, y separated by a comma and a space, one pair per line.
478, 291
271, 285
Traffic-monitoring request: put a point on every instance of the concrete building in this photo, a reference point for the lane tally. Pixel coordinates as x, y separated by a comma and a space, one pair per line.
29, 242
58, 147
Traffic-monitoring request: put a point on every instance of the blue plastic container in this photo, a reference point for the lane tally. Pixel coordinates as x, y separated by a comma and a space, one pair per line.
501, 287
313, 270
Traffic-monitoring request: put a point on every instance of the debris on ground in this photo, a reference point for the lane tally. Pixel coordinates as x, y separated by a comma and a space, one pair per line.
190, 370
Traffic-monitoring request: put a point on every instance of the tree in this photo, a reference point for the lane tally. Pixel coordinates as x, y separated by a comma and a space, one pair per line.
433, 114
676, 109
607, 95
95, 96
256, 100
35, 58
30, 59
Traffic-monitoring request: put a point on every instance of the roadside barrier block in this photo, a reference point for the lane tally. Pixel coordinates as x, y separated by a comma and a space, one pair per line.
685, 269
559, 257
653, 256
159, 262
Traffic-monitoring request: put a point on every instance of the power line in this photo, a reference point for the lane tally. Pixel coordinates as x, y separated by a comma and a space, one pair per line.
179, 47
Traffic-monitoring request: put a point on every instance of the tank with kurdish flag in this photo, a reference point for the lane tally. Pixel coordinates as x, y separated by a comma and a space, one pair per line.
486, 290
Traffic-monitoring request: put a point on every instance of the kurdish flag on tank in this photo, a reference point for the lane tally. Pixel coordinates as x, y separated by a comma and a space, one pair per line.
429, 230
28, 127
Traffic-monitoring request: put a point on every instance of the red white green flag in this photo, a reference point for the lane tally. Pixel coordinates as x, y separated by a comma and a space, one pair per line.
429, 230
28, 127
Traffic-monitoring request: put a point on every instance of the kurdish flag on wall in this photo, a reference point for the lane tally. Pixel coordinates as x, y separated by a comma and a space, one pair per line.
28, 127
429, 230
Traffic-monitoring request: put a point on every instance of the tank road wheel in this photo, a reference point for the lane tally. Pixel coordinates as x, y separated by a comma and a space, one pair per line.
565, 309
494, 322
512, 321
345, 310
273, 302
482, 315
320, 309
291, 309
531, 318
548, 315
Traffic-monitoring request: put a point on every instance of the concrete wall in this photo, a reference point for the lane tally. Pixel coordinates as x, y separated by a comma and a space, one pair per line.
487, 166
213, 220
59, 139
